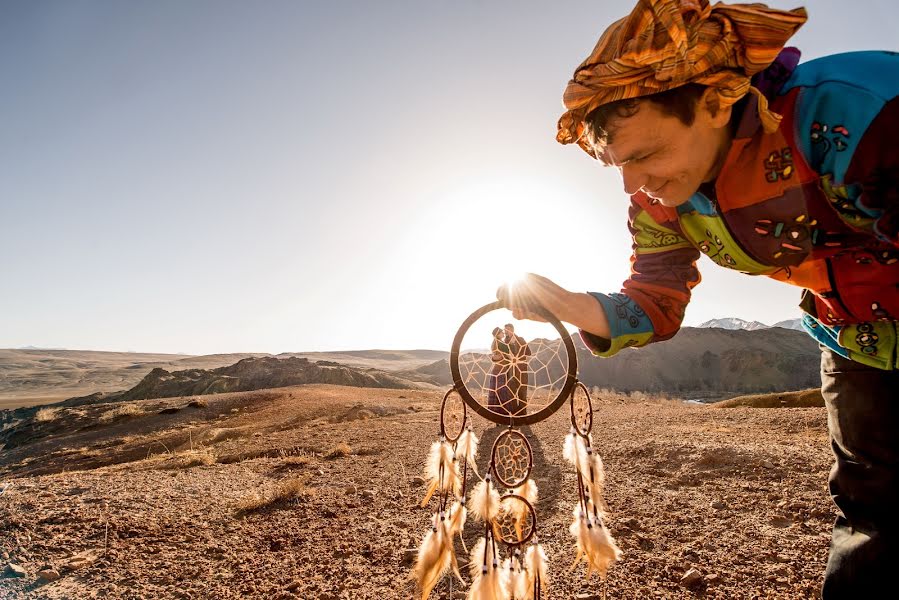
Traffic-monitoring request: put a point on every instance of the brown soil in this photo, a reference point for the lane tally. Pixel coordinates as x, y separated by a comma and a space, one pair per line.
310, 492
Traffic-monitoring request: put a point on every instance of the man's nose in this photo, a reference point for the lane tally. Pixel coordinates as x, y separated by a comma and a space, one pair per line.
634, 179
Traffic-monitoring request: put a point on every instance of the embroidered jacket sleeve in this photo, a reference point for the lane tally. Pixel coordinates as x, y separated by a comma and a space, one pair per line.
847, 126
650, 306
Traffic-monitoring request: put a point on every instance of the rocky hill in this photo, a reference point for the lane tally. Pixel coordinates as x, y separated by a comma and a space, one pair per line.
31, 376
245, 375
249, 374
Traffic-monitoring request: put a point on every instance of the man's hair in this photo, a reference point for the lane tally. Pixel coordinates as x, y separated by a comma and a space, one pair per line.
678, 102
509, 326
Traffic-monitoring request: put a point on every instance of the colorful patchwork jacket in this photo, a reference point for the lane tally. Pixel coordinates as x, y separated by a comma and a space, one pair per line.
815, 204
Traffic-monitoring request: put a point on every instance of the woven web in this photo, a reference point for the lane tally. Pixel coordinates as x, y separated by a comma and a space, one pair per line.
513, 374
582, 410
452, 415
512, 458
515, 522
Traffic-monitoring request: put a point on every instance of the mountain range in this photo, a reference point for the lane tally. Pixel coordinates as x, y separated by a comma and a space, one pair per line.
736, 323
707, 362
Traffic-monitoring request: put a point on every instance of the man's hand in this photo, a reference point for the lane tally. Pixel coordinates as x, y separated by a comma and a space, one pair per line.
523, 297
536, 291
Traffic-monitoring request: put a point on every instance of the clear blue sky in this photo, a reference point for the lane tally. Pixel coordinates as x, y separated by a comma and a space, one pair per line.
202, 176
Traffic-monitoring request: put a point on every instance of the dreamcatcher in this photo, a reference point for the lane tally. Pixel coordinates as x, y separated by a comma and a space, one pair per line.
513, 383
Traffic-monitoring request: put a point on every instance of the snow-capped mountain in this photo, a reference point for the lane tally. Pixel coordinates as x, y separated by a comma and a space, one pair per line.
735, 323
790, 324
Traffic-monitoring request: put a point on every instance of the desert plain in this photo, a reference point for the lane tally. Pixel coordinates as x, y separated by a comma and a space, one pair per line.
313, 492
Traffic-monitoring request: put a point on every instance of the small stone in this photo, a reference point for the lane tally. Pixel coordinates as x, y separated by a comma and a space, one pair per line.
644, 543
712, 578
13, 570
321, 473
81, 560
767, 464
418, 480
48, 575
691, 578
368, 494
588, 596
350, 490
409, 556
718, 505
294, 585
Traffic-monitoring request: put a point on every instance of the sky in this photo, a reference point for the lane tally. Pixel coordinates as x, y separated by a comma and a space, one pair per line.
221, 176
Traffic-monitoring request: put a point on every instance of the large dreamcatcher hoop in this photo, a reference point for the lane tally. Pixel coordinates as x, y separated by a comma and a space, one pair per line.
469, 377
515, 382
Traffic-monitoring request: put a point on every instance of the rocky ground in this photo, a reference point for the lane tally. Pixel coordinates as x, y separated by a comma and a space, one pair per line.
313, 492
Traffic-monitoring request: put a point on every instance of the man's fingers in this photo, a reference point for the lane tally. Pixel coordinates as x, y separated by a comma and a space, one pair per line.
525, 315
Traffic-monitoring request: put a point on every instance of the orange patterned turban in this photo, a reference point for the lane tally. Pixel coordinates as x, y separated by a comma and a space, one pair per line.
664, 44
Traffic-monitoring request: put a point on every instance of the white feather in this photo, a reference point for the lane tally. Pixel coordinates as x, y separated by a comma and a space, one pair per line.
595, 483
485, 501
521, 589
467, 448
575, 452
433, 559
595, 544
536, 564
441, 471
490, 581
528, 491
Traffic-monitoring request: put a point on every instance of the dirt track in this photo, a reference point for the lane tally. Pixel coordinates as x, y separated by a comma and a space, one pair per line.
738, 494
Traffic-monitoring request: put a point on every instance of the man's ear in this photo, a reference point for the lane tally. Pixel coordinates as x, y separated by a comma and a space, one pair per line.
710, 109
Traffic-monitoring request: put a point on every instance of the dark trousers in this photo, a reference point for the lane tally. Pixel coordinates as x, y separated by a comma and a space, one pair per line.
863, 418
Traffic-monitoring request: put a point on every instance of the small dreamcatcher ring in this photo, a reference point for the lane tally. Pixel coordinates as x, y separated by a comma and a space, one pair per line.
514, 420
581, 407
453, 416
511, 458
516, 522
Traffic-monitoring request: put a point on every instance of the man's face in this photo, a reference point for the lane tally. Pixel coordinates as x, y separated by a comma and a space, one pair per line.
658, 154
509, 332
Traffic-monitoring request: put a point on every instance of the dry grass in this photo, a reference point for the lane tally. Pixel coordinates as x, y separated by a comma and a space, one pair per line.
295, 461
45, 415
196, 458
293, 489
120, 412
339, 451
605, 395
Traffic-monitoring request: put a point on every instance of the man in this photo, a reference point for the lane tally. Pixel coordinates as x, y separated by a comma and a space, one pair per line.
731, 150
518, 374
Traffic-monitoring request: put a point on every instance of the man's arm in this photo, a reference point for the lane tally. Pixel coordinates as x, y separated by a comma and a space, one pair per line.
650, 306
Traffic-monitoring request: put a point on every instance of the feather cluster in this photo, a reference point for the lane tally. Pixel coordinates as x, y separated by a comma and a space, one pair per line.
519, 580
594, 543
520, 512
457, 516
435, 556
485, 501
490, 579
467, 448
535, 566
441, 471
579, 452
